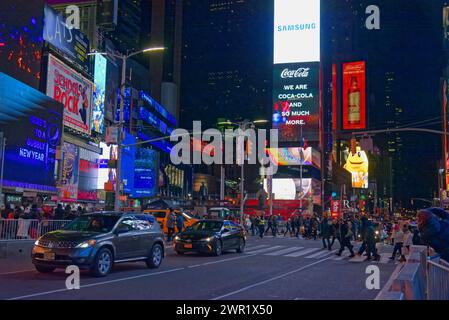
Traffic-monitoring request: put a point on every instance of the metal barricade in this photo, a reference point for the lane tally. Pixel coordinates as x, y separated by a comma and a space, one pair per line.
437, 280
46, 226
28, 229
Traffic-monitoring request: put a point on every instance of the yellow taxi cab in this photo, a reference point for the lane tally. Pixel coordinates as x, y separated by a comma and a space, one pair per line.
161, 217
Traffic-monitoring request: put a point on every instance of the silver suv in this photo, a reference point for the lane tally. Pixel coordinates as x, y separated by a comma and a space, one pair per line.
99, 240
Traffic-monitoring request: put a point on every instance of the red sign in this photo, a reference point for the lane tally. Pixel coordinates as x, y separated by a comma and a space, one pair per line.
335, 208
334, 96
354, 96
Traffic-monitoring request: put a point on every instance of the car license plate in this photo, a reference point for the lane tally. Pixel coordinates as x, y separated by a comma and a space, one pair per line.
49, 256
188, 246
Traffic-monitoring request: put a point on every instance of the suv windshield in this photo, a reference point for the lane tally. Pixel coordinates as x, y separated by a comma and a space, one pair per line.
101, 224
207, 226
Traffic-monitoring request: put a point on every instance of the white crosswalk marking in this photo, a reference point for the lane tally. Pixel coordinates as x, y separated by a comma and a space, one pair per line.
302, 252
263, 250
283, 251
384, 258
321, 254
256, 247
344, 255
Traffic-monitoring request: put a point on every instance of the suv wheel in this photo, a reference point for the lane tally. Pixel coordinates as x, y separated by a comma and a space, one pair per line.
218, 248
241, 246
44, 269
102, 264
156, 256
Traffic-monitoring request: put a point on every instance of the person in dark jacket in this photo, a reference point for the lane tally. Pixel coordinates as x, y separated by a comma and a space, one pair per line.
59, 212
370, 241
433, 225
325, 233
180, 222
346, 236
35, 214
363, 229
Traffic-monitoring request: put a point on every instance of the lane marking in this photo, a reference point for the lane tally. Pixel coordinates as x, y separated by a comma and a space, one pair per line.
321, 254
302, 252
95, 284
20, 271
264, 250
248, 249
195, 266
283, 251
230, 259
270, 280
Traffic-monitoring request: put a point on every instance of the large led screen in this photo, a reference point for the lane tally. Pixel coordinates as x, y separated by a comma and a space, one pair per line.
296, 31
32, 125
354, 96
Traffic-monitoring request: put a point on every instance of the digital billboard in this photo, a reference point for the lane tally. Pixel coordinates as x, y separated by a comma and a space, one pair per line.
290, 189
70, 172
296, 101
334, 97
296, 31
357, 164
21, 25
145, 173
72, 42
106, 174
32, 125
74, 91
354, 96
294, 156
99, 93
128, 157
88, 175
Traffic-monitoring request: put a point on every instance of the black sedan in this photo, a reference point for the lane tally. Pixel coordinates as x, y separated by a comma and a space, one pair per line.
211, 236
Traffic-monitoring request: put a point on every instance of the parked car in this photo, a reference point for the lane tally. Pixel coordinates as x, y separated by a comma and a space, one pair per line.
161, 217
99, 240
211, 236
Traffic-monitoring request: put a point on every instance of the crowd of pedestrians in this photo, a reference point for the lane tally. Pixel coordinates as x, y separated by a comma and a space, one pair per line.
366, 229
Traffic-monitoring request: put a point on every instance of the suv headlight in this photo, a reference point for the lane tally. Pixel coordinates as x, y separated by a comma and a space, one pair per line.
86, 244
209, 239
177, 238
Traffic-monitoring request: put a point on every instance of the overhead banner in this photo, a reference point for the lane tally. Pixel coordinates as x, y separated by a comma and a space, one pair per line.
294, 156
354, 96
74, 91
72, 42
296, 31
296, 101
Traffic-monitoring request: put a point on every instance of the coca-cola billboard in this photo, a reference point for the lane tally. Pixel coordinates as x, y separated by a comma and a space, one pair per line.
296, 102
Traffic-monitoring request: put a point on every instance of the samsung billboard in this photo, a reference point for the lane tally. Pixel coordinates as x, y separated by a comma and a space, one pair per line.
296, 31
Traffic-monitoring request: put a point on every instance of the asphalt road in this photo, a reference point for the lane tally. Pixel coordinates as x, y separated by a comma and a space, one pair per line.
270, 269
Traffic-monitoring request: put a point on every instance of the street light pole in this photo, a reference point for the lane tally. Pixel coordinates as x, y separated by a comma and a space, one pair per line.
124, 58
118, 181
2, 145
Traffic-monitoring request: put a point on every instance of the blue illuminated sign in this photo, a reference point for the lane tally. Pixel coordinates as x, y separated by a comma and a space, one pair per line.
32, 124
99, 94
160, 109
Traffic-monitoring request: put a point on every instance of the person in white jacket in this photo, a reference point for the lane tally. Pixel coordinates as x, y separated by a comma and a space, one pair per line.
398, 237
408, 238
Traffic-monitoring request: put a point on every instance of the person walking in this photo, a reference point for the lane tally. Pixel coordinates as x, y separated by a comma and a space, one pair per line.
274, 226
170, 224
298, 226
346, 236
355, 224
370, 242
261, 227
363, 228
398, 238
269, 224
180, 222
325, 233
288, 227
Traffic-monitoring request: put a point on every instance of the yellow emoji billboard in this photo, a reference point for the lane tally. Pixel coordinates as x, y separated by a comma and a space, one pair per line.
357, 164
